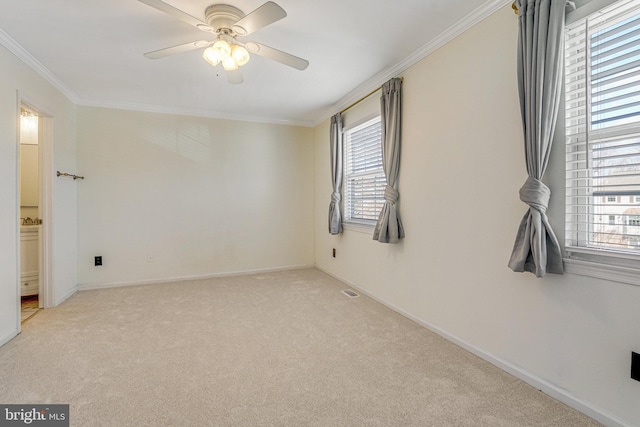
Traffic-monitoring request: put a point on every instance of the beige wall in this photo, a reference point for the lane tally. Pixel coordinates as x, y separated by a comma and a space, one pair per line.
462, 167
173, 196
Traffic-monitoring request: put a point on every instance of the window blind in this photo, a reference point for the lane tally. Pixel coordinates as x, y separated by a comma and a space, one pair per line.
602, 95
364, 177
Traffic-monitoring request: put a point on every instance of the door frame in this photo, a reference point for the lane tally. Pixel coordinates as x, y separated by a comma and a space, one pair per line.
45, 198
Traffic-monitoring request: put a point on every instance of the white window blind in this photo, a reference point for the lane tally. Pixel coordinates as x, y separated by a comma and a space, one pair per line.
602, 93
364, 180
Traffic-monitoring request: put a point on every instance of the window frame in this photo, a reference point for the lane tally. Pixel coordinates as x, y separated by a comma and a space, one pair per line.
618, 266
348, 222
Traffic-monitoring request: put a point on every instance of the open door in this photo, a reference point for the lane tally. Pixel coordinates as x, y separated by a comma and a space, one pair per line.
34, 187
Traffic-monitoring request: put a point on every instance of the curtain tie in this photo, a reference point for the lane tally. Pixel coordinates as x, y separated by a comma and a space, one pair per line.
535, 194
391, 194
335, 197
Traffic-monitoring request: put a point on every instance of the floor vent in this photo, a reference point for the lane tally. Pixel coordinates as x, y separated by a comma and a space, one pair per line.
350, 293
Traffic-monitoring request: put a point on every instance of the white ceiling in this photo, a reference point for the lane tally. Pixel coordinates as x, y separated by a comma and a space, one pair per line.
92, 51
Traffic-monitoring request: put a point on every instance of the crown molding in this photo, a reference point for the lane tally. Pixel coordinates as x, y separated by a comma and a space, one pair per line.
16, 49
467, 22
192, 112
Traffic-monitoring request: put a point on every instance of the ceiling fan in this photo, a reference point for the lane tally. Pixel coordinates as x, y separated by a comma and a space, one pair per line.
228, 23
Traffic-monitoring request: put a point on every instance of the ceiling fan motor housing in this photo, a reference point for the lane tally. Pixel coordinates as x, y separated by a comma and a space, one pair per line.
222, 16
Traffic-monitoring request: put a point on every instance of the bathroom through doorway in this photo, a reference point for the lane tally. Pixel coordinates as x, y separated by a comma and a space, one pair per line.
30, 218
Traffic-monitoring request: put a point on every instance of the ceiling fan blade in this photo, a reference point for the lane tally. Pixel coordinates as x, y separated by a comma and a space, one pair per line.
277, 55
161, 53
266, 14
177, 13
234, 77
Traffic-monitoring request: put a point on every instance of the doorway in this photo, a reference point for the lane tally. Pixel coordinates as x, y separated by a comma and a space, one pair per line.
30, 220
34, 145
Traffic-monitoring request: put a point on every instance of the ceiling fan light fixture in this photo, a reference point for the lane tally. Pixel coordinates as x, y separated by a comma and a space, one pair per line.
209, 55
240, 55
229, 64
221, 49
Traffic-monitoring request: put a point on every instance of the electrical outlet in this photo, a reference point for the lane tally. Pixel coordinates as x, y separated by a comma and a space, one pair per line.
635, 366
334, 252
97, 260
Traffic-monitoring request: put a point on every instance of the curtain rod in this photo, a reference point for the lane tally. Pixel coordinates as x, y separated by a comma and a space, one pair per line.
364, 97
515, 8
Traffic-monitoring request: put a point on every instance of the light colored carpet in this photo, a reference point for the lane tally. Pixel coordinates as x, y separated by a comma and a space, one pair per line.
276, 349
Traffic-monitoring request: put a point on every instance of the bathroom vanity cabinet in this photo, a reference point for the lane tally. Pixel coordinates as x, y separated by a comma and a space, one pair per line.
29, 260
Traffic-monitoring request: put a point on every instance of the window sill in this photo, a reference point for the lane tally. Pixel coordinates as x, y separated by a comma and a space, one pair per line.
614, 273
360, 227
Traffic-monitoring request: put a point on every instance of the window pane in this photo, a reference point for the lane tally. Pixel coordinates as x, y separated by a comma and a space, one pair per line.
364, 181
602, 60
365, 196
615, 69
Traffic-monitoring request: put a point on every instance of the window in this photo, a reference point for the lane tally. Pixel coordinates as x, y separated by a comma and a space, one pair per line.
364, 180
602, 111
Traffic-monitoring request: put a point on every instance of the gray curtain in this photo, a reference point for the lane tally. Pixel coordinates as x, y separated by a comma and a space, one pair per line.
335, 216
389, 227
540, 74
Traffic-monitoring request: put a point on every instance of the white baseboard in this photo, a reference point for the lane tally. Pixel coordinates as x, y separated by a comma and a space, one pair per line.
11, 335
531, 379
64, 297
91, 286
